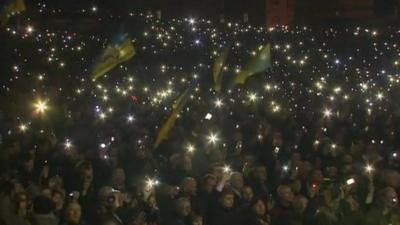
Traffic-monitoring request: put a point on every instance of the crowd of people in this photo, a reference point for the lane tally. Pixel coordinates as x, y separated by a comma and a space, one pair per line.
312, 140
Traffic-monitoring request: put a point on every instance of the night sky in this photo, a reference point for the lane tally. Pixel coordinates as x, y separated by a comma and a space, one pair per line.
233, 9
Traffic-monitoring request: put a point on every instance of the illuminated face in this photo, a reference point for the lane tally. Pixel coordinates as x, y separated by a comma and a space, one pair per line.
198, 221
228, 200
259, 208
248, 193
73, 213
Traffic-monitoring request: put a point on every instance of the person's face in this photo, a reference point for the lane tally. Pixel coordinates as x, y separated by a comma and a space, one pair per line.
58, 199
185, 208
28, 165
191, 187
18, 188
23, 202
287, 194
228, 200
210, 184
300, 204
261, 173
198, 221
237, 181
248, 194
152, 201
259, 208
296, 186
74, 213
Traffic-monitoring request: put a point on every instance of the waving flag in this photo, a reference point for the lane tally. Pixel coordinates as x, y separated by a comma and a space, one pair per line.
167, 126
218, 69
113, 55
11, 8
259, 63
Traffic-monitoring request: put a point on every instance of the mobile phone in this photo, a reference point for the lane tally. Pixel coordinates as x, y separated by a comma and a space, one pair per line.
350, 181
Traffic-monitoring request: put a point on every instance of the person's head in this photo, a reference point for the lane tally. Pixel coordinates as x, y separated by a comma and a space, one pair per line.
247, 193
183, 206
189, 186
46, 192
86, 170
186, 163
152, 201
209, 183
236, 180
56, 182
285, 195
109, 197
227, 198
258, 207
260, 173
58, 199
295, 185
388, 198
300, 203
21, 201
28, 162
73, 213
42, 205
196, 220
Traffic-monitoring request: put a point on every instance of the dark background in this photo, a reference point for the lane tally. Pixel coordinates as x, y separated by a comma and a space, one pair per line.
212, 8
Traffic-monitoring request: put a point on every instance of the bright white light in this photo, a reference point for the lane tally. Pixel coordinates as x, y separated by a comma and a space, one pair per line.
227, 169
327, 113
218, 103
67, 144
369, 168
208, 116
252, 97
29, 29
23, 127
130, 118
190, 148
41, 106
212, 138
151, 182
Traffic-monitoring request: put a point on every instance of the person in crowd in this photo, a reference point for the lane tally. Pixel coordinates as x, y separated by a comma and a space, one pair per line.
283, 210
73, 214
224, 212
43, 212
311, 140
257, 213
